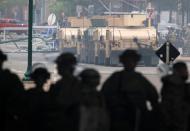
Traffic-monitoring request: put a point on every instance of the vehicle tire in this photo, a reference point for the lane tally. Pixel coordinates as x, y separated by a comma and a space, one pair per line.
107, 61
147, 61
96, 60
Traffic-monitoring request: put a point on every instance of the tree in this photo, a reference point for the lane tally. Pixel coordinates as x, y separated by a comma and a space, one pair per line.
5, 5
67, 6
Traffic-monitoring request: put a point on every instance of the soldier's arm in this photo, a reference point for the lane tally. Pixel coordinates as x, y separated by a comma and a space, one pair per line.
109, 89
110, 84
152, 94
16, 82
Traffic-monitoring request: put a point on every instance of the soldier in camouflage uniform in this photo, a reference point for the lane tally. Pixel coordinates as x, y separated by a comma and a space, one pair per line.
172, 35
174, 105
186, 39
187, 35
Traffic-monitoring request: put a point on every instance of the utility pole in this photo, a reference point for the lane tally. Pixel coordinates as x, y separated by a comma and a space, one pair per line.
183, 12
179, 9
30, 22
43, 11
188, 11
150, 11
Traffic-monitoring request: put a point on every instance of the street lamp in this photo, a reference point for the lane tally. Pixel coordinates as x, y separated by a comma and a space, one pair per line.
30, 22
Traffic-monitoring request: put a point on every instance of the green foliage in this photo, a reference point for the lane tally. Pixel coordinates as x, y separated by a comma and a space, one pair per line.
67, 6
13, 2
8, 3
57, 7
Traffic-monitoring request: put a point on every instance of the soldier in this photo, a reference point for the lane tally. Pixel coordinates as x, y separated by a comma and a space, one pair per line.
126, 93
38, 100
93, 113
63, 22
65, 96
172, 35
186, 40
187, 34
3, 92
179, 38
173, 105
12, 98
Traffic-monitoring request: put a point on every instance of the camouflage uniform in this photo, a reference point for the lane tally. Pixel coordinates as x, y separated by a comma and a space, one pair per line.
187, 36
186, 40
172, 37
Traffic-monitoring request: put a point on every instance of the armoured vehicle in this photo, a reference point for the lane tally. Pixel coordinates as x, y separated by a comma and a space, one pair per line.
100, 39
70, 37
103, 44
70, 40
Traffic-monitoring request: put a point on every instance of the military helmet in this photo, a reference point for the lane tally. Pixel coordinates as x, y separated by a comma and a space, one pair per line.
90, 77
66, 59
40, 73
89, 73
129, 55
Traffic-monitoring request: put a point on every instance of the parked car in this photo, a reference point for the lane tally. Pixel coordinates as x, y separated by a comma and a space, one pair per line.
8, 22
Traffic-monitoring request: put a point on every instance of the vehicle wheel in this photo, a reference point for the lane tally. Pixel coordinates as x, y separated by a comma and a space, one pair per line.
96, 60
107, 61
147, 61
78, 58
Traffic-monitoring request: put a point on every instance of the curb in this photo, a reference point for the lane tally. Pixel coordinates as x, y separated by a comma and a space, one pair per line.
183, 58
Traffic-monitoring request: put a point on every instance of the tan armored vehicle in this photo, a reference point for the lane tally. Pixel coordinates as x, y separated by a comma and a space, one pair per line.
102, 45
70, 40
100, 39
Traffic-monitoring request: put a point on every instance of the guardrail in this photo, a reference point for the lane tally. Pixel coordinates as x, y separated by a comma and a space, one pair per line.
21, 39
7, 29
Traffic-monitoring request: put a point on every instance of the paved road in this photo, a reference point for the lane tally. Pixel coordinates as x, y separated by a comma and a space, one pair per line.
18, 63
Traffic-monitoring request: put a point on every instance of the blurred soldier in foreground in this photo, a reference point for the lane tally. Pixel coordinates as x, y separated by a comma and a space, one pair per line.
38, 100
174, 104
65, 96
126, 93
93, 113
11, 99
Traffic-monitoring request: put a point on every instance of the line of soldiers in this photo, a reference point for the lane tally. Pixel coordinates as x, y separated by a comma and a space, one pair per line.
178, 37
187, 33
126, 102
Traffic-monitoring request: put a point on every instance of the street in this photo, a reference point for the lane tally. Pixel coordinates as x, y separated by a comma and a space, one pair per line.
17, 62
